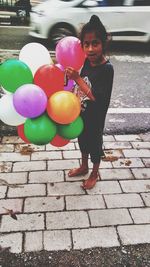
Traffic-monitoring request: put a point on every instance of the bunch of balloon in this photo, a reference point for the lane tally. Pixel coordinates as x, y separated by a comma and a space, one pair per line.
64, 107
36, 100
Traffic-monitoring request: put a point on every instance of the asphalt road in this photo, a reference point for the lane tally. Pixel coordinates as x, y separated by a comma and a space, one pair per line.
131, 94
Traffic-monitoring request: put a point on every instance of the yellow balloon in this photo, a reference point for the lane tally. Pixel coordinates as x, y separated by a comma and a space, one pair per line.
63, 107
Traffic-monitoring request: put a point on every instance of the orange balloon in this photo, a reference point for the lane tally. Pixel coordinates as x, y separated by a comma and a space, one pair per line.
59, 141
63, 107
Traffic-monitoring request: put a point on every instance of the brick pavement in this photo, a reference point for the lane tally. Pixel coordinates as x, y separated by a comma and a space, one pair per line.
55, 213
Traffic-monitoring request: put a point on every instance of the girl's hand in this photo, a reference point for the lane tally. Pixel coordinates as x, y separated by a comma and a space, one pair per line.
72, 74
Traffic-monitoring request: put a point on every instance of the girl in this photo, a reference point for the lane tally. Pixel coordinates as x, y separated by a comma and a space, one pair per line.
94, 87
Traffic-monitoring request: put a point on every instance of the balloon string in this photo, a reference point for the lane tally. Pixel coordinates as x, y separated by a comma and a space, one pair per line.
65, 79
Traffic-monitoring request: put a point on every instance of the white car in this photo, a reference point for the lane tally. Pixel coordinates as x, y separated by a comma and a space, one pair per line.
126, 20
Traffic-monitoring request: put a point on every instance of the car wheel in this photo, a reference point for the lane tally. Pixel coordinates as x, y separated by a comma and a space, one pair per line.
59, 32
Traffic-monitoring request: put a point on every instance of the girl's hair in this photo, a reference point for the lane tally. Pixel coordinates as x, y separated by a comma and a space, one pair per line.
95, 25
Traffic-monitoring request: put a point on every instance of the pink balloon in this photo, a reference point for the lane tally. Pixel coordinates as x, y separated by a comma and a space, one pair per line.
30, 101
70, 83
69, 52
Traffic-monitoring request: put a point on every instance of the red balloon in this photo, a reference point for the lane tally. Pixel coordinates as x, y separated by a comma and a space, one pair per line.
20, 130
50, 78
59, 141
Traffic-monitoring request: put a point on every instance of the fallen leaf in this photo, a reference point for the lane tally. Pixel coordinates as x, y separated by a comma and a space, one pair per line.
26, 150
110, 158
128, 162
11, 213
108, 152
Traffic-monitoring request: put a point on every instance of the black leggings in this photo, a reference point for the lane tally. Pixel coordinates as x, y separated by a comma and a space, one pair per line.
91, 139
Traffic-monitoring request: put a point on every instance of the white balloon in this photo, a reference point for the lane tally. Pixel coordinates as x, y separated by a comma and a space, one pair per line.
5, 91
35, 55
8, 114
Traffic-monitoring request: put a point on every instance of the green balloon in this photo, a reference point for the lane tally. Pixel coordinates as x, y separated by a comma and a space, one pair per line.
72, 130
41, 130
13, 74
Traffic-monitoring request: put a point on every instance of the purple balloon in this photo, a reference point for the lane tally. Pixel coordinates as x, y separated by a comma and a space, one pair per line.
70, 83
30, 101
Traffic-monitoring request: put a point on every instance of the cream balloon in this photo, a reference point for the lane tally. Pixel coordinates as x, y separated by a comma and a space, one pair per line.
8, 114
5, 91
35, 55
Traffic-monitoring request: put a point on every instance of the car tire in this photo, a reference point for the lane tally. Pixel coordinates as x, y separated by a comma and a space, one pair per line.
60, 31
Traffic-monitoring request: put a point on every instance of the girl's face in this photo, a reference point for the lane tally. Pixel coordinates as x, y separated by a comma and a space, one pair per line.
93, 49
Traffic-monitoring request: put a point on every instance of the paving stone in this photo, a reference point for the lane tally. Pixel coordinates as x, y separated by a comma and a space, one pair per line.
145, 137
27, 190
14, 178
12, 140
109, 217
57, 240
44, 171
40, 204
95, 237
69, 146
29, 166
84, 202
9, 240
3, 190
33, 241
141, 173
129, 137
103, 165
14, 157
46, 177
74, 154
62, 164
140, 153
11, 204
117, 145
67, 188
139, 145
146, 198
115, 174
146, 162
136, 186
123, 200
67, 220
108, 138
46, 155
128, 163
24, 222
5, 167
134, 234
140, 215
105, 187
77, 146
6, 148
